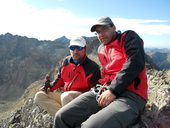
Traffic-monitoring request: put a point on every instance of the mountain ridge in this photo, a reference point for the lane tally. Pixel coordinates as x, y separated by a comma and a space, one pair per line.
18, 54
25, 55
25, 113
24, 60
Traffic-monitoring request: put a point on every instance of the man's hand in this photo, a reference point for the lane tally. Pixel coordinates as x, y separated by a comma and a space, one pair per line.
46, 87
106, 98
45, 90
42, 89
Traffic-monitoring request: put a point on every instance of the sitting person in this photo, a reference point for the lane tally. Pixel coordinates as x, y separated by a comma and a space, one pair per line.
122, 94
77, 74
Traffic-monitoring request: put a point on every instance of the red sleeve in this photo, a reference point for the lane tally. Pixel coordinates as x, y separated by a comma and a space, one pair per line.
58, 84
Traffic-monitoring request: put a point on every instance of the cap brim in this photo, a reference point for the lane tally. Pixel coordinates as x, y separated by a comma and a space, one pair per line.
77, 44
93, 28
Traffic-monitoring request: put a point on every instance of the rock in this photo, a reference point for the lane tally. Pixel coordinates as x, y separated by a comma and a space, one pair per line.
29, 116
156, 114
157, 111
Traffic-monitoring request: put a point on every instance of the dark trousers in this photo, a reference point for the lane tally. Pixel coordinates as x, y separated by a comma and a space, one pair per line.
84, 112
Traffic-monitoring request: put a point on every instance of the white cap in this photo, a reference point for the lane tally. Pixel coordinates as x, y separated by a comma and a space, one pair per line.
79, 41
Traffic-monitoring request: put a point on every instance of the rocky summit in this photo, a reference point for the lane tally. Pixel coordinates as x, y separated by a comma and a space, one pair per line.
156, 113
18, 54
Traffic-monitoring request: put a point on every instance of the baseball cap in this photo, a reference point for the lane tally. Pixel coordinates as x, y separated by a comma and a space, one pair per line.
78, 41
102, 21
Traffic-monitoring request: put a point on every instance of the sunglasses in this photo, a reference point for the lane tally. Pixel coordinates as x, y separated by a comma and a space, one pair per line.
79, 48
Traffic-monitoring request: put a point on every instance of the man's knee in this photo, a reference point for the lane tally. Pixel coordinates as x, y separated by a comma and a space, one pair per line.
65, 98
65, 94
39, 96
60, 118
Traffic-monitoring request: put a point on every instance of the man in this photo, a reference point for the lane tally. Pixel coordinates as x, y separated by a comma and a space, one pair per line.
77, 75
121, 98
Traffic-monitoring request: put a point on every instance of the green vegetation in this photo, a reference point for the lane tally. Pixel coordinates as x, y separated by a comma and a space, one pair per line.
8, 107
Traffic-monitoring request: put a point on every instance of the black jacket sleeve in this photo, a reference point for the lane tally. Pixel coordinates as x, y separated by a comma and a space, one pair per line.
91, 67
96, 75
134, 64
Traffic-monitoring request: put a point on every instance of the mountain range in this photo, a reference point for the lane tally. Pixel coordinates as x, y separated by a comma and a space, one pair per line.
24, 60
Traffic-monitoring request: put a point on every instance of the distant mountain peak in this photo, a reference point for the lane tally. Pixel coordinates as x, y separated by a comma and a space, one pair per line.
8, 34
62, 39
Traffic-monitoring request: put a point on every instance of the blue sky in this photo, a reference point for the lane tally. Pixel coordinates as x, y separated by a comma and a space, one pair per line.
51, 19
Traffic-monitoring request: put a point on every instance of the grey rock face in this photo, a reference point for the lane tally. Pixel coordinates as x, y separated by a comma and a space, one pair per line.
156, 115
157, 111
29, 116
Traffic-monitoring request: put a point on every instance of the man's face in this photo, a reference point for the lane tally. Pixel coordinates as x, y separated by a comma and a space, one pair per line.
105, 33
77, 52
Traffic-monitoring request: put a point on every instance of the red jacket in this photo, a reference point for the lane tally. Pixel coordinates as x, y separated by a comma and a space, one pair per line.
79, 77
123, 64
